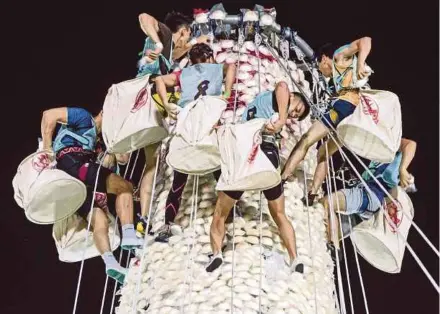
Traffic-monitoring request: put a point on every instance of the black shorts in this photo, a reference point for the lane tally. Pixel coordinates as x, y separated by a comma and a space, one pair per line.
84, 167
104, 201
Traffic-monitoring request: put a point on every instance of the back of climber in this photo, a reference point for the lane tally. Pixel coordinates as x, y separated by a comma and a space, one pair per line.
202, 78
264, 106
75, 131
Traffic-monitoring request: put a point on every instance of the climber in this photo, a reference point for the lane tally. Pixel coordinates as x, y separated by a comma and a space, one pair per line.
341, 64
264, 106
75, 131
203, 77
171, 38
358, 202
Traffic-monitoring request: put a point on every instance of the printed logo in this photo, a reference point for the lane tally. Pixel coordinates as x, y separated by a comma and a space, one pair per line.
334, 116
101, 200
141, 100
394, 212
370, 107
41, 162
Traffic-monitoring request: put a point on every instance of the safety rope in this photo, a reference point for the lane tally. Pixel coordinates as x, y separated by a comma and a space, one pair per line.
145, 244
193, 239
121, 251
240, 45
312, 254
340, 227
332, 224
357, 260
87, 234
192, 219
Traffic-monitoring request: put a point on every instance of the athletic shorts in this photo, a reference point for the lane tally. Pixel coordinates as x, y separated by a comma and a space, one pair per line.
271, 151
83, 167
358, 201
339, 109
101, 201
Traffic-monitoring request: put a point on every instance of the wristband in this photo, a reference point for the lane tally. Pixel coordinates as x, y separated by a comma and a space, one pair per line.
227, 94
159, 45
193, 41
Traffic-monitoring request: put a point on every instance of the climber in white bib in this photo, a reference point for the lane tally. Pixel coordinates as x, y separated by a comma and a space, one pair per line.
203, 78
343, 66
357, 201
265, 106
74, 146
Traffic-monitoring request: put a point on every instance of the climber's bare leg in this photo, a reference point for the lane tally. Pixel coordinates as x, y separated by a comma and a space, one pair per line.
287, 233
100, 226
148, 178
337, 202
124, 197
316, 132
222, 208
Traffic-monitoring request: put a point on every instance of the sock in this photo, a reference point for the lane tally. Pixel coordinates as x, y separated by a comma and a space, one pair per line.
128, 231
109, 259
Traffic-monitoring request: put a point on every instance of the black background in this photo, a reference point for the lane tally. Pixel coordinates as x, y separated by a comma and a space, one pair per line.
69, 53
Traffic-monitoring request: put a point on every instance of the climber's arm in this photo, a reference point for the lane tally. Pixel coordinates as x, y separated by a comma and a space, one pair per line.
150, 26
49, 122
408, 149
229, 75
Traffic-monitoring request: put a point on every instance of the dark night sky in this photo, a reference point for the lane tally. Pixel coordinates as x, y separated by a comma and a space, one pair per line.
69, 54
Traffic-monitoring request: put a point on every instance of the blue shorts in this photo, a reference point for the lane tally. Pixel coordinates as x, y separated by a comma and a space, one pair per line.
338, 110
359, 202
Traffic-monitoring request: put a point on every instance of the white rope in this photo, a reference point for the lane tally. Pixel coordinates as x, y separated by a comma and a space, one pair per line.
422, 266
145, 244
310, 232
121, 251
332, 224
357, 260
188, 250
193, 239
340, 227
261, 256
87, 235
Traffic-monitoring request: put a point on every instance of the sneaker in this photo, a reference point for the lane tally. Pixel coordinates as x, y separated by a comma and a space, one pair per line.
215, 262
141, 226
310, 198
131, 243
163, 234
297, 266
118, 273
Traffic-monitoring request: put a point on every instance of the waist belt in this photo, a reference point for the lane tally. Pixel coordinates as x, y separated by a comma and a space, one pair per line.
69, 150
269, 138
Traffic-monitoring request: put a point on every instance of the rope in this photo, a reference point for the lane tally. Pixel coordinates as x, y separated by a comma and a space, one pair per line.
387, 217
261, 256
145, 244
343, 242
87, 235
188, 251
310, 232
357, 261
332, 223
193, 237
121, 251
